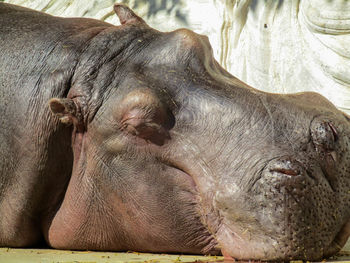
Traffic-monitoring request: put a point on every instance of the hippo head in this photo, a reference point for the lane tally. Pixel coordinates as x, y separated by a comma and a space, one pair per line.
174, 154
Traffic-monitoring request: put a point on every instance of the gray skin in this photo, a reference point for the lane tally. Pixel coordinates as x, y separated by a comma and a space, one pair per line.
126, 138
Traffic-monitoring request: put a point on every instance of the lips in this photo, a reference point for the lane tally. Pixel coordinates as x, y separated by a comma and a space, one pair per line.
244, 245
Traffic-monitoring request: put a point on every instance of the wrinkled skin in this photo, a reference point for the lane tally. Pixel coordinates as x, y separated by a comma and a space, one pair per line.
125, 138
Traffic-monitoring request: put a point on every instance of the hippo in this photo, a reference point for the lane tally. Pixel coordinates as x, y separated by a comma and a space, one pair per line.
120, 138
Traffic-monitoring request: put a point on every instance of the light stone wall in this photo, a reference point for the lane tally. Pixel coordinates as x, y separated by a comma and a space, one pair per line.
291, 46
273, 45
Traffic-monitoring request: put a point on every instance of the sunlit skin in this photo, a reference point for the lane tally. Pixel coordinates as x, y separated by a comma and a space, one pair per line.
122, 138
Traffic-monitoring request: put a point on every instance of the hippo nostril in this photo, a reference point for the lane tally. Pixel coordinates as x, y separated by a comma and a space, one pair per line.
285, 166
334, 131
324, 135
286, 171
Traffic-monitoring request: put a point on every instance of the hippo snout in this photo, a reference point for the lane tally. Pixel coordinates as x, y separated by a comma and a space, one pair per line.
295, 201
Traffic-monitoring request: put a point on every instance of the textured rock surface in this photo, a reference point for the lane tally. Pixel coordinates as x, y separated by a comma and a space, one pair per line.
276, 46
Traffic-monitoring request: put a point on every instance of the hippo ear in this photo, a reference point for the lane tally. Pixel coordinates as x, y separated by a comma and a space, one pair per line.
65, 109
126, 15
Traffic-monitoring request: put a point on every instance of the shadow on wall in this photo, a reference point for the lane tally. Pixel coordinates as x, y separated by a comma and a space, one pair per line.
154, 10
254, 3
156, 6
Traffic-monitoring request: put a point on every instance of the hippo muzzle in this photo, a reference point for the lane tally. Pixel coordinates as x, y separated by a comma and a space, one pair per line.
296, 204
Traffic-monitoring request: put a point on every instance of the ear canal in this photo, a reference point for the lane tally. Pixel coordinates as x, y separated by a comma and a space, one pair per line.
62, 106
126, 15
65, 109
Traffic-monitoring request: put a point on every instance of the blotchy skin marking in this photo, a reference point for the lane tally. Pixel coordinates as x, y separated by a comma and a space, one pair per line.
126, 138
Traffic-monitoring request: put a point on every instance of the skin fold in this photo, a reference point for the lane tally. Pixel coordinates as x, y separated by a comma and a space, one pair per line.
126, 138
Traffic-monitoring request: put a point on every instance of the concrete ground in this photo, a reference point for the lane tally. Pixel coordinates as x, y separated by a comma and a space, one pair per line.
11, 255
